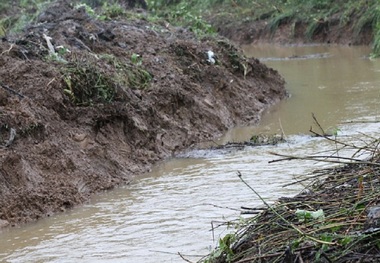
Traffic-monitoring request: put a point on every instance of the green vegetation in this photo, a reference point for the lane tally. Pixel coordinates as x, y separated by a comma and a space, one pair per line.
86, 85
14, 15
111, 10
224, 249
86, 82
107, 11
376, 44
88, 79
316, 15
184, 13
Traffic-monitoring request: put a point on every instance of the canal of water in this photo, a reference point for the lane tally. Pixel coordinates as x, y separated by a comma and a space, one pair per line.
172, 209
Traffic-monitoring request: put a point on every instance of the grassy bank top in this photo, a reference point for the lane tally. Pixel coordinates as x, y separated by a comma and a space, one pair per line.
352, 15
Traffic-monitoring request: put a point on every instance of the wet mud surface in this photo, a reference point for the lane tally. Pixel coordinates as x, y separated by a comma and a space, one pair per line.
87, 104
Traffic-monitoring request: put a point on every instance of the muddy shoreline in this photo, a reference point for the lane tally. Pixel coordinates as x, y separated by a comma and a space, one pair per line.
122, 96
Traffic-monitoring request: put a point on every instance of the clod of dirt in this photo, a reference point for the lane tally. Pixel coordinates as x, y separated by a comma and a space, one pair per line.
107, 99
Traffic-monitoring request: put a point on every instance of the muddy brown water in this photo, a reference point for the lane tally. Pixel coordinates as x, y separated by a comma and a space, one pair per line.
170, 210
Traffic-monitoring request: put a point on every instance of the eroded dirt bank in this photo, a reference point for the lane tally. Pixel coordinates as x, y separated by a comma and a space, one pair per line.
329, 31
115, 98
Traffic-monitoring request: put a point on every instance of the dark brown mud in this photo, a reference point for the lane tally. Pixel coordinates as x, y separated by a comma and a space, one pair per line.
108, 101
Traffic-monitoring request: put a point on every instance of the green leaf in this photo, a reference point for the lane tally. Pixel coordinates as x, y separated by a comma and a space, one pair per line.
305, 215
345, 241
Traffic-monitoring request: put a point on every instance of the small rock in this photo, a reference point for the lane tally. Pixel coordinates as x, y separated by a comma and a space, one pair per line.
373, 217
3, 223
79, 137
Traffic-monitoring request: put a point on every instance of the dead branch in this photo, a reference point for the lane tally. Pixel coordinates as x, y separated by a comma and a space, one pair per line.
7, 51
318, 124
12, 136
322, 158
185, 259
7, 88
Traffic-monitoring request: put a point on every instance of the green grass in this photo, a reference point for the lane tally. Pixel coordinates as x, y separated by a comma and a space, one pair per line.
87, 81
376, 43
86, 85
188, 14
314, 14
276, 21
16, 16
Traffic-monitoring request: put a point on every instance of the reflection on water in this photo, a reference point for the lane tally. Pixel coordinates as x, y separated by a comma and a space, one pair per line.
341, 87
171, 209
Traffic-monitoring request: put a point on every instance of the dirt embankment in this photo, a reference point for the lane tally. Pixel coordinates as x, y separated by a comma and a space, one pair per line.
328, 31
115, 98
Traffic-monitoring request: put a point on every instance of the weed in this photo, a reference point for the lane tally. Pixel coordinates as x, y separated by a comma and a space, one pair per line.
5, 25
315, 14
276, 21
376, 43
224, 249
129, 74
367, 19
89, 10
85, 84
62, 51
139, 78
59, 55
28, 12
55, 58
111, 60
184, 13
313, 28
238, 63
183, 16
113, 10
136, 59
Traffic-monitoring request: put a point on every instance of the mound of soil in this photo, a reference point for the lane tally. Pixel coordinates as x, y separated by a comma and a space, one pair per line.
86, 104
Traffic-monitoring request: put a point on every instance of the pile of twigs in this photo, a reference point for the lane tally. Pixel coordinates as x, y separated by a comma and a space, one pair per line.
344, 234
347, 226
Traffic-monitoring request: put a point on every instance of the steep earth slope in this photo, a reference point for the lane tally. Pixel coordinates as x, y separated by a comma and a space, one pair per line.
87, 104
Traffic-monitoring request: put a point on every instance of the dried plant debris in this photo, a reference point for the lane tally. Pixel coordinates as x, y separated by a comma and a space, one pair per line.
335, 219
255, 140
